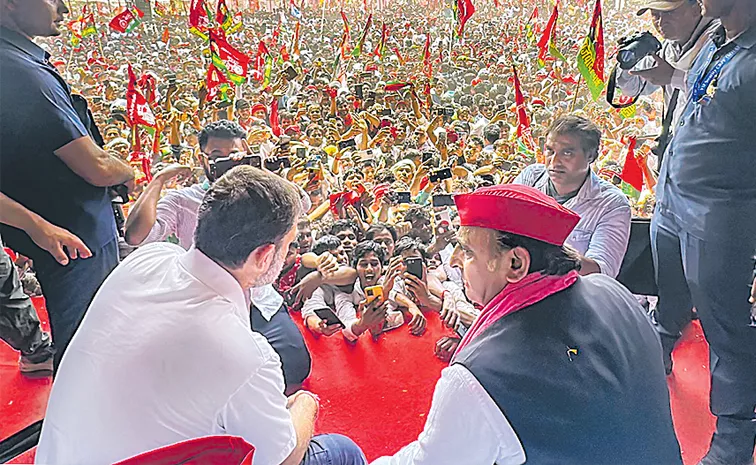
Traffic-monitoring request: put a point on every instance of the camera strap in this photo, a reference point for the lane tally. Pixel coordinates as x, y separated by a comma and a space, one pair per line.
611, 86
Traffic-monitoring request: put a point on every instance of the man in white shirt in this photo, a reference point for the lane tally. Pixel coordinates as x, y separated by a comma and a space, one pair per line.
154, 219
558, 368
601, 236
166, 352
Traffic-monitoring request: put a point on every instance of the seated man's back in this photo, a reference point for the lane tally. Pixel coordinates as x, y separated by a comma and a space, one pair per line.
165, 354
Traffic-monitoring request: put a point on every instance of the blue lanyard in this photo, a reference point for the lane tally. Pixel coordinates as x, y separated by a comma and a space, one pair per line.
710, 74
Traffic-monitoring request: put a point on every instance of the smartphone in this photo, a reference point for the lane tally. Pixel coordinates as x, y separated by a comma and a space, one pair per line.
414, 267
403, 197
219, 166
344, 144
386, 112
440, 175
275, 164
330, 318
358, 91
291, 73
301, 152
374, 292
443, 200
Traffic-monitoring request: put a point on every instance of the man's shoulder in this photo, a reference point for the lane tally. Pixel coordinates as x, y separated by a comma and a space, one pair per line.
610, 194
530, 174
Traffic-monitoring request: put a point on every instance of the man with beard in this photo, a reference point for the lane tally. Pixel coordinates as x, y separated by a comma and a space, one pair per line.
166, 353
154, 219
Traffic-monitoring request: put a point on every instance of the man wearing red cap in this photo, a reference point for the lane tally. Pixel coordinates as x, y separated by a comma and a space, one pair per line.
558, 368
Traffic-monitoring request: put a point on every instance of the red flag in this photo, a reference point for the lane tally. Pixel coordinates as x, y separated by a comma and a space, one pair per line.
632, 173
137, 109
427, 64
523, 122
465, 10
597, 28
548, 33
381, 47
199, 21
399, 56
228, 59
122, 22
217, 83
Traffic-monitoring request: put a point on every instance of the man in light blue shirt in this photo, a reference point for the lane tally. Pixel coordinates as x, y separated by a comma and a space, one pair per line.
703, 232
602, 235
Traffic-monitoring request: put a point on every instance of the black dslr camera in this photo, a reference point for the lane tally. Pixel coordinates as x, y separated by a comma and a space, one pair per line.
634, 48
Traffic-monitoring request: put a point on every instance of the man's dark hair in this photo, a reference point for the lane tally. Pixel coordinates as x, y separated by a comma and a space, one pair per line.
409, 244
245, 209
583, 128
491, 133
343, 225
303, 221
416, 213
547, 258
222, 129
378, 228
326, 244
364, 248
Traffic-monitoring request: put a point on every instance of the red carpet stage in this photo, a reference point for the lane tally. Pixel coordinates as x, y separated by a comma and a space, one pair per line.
378, 392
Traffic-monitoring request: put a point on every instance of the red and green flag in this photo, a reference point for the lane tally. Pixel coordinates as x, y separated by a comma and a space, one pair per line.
199, 19
530, 25
547, 42
138, 111
229, 60
127, 20
463, 11
358, 48
160, 9
396, 86
218, 85
380, 49
223, 16
427, 62
632, 173
524, 133
264, 63
88, 26
590, 59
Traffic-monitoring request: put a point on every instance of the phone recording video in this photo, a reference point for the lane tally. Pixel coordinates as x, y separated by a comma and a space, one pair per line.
440, 175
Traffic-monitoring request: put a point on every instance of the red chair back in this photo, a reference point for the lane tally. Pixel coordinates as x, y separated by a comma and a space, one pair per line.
210, 450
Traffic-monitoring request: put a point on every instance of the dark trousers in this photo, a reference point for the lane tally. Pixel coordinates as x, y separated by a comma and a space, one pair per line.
715, 277
69, 290
285, 338
333, 449
19, 323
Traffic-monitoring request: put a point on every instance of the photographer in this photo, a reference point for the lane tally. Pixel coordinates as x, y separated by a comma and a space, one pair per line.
685, 31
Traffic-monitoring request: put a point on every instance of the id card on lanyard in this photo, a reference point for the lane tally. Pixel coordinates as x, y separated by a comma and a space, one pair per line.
706, 82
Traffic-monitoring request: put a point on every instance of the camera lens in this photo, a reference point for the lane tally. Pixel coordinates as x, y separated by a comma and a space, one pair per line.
626, 58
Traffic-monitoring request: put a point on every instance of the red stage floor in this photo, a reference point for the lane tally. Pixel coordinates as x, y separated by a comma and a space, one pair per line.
378, 392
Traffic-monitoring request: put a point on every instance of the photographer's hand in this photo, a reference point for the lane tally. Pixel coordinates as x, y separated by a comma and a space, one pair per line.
660, 75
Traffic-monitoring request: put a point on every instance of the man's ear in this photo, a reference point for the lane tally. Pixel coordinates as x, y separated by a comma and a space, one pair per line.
519, 264
261, 258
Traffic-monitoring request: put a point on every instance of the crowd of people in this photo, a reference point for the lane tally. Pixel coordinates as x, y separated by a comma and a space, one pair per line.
370, 167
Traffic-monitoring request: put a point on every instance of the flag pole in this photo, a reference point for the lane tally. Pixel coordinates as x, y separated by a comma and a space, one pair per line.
99, 40
322, 19
577, 92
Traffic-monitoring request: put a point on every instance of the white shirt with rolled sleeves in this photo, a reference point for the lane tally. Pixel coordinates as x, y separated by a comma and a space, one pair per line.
603, 232
165, 354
